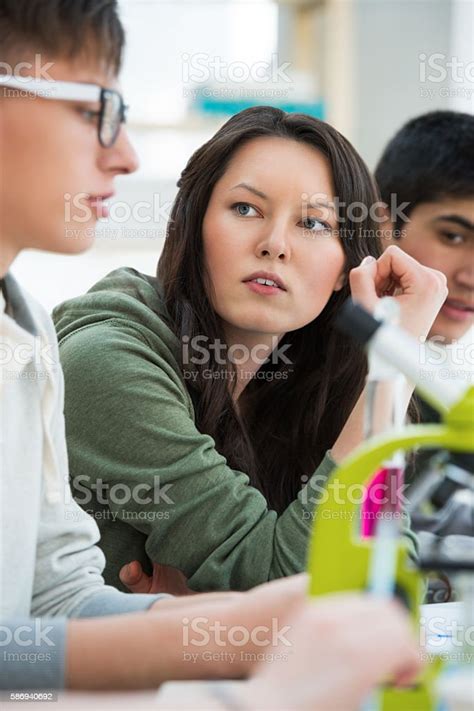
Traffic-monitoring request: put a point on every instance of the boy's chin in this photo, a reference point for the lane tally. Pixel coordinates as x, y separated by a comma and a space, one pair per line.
445, 331
73, 240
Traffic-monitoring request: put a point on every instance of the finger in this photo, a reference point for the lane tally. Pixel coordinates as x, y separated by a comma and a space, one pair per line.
170, 580
133, 577
362, 283
407, 677
397, 267
401, 268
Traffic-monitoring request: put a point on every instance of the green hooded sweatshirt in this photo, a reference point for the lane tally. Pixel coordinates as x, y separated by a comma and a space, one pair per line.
157, 487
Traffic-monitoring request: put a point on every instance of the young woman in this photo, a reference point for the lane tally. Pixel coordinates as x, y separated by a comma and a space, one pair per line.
202, 404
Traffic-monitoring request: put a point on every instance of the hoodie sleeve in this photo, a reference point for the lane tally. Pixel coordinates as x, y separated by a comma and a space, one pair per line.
130, 427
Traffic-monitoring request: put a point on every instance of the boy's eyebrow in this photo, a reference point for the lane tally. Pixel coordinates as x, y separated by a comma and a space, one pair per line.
458, 220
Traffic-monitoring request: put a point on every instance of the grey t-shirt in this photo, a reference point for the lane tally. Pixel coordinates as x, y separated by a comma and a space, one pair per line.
50, 566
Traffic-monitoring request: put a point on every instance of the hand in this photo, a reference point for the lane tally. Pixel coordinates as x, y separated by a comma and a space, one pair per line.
419, 290
342, 646
165, 579
258, 606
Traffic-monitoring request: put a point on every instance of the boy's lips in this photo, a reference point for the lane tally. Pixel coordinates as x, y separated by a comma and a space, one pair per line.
100, 205
458, 310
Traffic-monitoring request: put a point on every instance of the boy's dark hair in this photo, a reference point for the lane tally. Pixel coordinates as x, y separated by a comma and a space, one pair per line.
61, 29
430, 158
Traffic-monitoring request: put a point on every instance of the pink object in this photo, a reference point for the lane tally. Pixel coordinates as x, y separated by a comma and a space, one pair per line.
381, 495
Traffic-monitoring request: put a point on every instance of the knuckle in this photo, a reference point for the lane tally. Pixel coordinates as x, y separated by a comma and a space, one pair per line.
394, 250
355, 276
436, 279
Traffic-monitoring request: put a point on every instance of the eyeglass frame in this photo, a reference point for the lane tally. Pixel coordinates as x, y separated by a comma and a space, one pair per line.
71, 91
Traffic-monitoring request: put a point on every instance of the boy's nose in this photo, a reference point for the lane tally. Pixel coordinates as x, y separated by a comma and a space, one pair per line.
465, 274
121, 157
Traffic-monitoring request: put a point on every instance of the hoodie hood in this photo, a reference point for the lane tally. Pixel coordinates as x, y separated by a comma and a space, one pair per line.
126, 295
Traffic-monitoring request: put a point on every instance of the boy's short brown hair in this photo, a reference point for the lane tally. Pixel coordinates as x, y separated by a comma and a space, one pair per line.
62, 29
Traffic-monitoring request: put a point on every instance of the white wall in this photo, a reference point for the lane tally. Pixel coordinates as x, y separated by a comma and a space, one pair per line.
159, 33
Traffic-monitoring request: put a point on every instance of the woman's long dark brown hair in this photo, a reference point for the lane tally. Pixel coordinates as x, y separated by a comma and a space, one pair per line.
285, 424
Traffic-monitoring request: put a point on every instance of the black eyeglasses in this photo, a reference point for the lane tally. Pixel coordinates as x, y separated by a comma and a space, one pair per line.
112, 111
112, 115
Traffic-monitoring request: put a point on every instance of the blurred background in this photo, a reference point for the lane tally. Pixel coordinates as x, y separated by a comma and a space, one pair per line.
365, 66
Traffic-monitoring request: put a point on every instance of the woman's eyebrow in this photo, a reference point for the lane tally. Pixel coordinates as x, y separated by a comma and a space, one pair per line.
317, 204
251, 189
457, 220
312, 203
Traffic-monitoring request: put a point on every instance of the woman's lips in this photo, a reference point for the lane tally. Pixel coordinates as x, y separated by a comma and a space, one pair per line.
457, 311
263, 289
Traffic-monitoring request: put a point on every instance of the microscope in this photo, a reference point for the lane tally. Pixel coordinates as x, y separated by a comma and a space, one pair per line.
341, 558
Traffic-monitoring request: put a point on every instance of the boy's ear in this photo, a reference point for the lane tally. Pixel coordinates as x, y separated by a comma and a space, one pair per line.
341, 281
385, 226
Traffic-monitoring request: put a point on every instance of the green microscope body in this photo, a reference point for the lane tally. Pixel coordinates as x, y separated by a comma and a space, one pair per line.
339, 558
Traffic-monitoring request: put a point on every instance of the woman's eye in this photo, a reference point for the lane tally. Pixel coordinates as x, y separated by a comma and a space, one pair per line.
312, 224
453, 237
243, 209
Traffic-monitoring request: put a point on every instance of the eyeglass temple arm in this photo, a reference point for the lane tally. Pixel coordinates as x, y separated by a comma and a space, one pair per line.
68, 91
